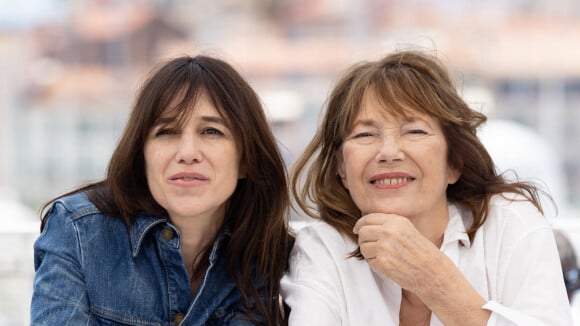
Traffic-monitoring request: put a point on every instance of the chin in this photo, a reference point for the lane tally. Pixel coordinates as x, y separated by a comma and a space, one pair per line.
393, 210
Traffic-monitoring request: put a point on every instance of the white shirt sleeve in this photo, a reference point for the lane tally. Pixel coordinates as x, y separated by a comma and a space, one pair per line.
312, 282
531, 287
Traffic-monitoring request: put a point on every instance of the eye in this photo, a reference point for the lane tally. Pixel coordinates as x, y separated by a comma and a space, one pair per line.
212, 132
164, 131
363, 134
415, 129
417, 132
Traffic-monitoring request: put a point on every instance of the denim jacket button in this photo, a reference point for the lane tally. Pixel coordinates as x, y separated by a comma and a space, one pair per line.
178, 318
167, 233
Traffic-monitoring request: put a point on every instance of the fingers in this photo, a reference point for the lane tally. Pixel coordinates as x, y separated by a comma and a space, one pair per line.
371, 229
380, 233
379, 219
370, 233
372, 219
368, 249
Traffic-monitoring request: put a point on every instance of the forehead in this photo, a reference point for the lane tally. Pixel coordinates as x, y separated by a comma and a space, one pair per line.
375, 107
184, 105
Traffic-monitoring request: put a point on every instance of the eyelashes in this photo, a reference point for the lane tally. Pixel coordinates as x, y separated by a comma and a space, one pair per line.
213, 132
166, 131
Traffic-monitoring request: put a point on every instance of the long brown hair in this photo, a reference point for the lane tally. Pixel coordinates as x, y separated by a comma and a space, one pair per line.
400, 81
257, 210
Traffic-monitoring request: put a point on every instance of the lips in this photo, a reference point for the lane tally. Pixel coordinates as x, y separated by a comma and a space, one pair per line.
188, 176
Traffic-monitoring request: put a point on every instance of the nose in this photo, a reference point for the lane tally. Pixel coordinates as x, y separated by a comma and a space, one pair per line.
189, 150
390, 148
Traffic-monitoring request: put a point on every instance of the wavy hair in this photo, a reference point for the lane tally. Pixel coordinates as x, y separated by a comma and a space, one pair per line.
401, 81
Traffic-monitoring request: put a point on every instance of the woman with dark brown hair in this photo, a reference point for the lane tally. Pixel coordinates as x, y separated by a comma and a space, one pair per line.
189, 225
415, 227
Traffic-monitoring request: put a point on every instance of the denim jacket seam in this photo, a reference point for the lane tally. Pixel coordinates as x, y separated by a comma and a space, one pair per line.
71, 217
169, 288
84, 212
202, 286
213, 262
109, 314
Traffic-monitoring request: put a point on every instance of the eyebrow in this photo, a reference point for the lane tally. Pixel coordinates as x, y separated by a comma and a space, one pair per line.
215, 119
165, 120
412, 119
364, 122
404, 120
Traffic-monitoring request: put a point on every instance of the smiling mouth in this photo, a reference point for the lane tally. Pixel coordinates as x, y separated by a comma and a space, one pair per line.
392, 181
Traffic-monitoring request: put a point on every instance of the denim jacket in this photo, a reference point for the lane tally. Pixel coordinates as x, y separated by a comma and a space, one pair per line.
92, 270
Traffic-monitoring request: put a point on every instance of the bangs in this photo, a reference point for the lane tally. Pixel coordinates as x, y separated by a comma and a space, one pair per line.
392, 89
179, 106
401, 90
179, 90
394, 102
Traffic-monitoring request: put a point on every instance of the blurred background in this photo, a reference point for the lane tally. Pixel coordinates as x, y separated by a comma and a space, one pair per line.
69, 71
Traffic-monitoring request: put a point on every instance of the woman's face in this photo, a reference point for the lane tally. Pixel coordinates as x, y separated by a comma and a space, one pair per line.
395, 165
192, 169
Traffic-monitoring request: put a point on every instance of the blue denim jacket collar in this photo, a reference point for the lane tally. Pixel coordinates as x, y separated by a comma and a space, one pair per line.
139, 229
146, 222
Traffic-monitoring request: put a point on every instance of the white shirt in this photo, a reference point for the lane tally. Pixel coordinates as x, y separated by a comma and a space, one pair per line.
575, 304
512, 262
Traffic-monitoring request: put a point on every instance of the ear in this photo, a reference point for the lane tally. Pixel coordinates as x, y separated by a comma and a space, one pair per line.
340, 168
453, 176
454, 173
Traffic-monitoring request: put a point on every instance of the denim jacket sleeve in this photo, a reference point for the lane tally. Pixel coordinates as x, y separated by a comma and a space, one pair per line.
59, 294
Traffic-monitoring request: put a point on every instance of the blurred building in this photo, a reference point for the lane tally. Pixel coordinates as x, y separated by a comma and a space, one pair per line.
70, 84
67, 83
76, 89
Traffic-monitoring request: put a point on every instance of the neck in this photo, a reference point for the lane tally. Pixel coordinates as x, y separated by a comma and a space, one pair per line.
197, 234
433, 224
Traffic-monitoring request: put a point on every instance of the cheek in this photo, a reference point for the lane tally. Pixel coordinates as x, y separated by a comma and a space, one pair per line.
436, 162
352, 171
149, 159
153, 159
228, 160
350, 161
148, 153
150, 174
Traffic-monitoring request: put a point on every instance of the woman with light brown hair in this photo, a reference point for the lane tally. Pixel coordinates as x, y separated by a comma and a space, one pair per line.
415, 227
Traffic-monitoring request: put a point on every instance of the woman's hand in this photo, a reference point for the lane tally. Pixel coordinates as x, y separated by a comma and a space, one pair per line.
395, 249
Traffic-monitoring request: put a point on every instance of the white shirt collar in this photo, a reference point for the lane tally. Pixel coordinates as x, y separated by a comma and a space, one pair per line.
456, 230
